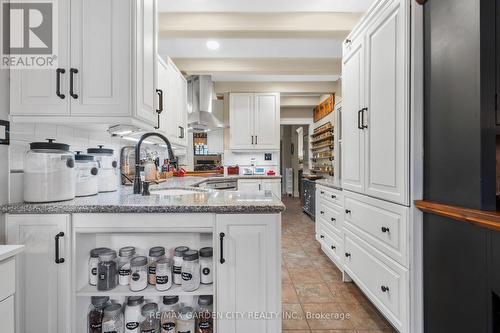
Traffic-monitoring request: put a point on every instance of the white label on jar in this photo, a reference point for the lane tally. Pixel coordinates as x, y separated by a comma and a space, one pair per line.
177, 274
161, 279
124, 275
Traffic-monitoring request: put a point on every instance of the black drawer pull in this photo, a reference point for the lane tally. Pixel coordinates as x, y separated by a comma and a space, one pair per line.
334, 219
385, 229
321, 236
58, 236
322, 192
222, 235
333, 247
322, 212
334, 197
347, 255
384, 289
348, 211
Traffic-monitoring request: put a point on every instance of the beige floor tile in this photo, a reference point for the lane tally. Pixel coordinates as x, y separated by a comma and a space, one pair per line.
293, 317
314, 293
288, 294
365, 318
285, 276
326, 316
304, 275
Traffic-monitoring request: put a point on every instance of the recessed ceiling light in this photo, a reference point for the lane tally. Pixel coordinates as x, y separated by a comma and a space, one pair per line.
213, 45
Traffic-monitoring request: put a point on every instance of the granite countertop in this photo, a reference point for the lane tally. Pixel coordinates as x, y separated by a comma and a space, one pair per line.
328, 183
7, 251
124, 201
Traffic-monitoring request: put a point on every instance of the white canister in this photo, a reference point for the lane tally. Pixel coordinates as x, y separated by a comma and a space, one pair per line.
133, 314
108, 168
49, 172
86, 175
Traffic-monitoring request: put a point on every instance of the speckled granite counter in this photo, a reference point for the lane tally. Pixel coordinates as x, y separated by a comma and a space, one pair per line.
327, 183
124, 201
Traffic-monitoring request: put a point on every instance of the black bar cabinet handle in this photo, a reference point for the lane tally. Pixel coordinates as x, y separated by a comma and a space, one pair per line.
252, 139
222, 235
72, 72
359, 119
158, 125
58, 236
363, 126
59, 71
181, 132
256, 140
160, 99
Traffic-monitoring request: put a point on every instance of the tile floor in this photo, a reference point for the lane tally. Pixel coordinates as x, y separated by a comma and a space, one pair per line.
315, 300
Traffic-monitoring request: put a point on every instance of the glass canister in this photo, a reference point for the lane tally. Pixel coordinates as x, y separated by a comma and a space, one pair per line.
169, 309
133, 314
49, 172
205, 319
108, 168
93, 261
190, 271
155, 253
163, 274
206, 265
151, 323
138, 273
96, 313
177, 265
113, 321
125, 254
186, 320
86, 175
107, 271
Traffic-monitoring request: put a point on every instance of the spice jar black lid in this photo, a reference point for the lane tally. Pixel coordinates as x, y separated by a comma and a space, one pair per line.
135, 300
82, 157
50, 144
205, 300
100, 150
107, 255
170, 300
191, 255
99, 301
126, 251
206, 252
94, 253
113, 309
156, 251
149, 309
179, 251
139, 261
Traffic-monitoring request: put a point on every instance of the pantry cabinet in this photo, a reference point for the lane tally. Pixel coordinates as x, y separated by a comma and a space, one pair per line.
375, 122
107, 67
254, 121
248, 277
43, 287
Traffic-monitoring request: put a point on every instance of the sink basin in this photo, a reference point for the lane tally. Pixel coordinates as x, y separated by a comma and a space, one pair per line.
175, 191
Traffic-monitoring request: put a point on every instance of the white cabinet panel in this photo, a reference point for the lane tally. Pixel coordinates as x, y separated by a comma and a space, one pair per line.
7, 315
249, 185
241, 121
273, 185
248, 280
43, 295
352, 103
267, 118
100, 31
387, 135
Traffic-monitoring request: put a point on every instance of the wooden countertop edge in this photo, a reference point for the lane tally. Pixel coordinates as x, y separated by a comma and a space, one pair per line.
484, 219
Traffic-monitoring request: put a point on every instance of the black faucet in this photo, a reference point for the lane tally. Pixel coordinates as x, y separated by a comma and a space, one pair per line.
137, 179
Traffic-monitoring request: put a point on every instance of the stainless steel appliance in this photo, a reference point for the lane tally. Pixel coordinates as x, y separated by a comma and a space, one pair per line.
309, 197
222, 185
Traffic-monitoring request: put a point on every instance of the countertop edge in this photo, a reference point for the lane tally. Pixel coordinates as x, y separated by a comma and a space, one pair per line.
326, 184
485, 219
12, 251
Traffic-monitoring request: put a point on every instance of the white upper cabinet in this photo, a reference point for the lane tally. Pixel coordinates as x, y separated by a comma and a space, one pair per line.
107, 67
375, 126
254, 121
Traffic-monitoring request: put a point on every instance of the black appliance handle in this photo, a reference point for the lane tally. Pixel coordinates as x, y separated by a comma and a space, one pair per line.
58, 259
59, 71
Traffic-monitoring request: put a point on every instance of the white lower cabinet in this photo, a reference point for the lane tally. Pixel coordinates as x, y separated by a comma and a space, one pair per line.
7, 315
43, 285
257, 185
248, 272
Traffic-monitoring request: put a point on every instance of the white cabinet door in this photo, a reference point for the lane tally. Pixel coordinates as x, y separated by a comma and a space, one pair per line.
249, 277
34, 92
100, 63
273, 185
182, 115
146, 60
352, 134
43, 290
241, 121
387, 153
249, 185
165, 84
267, 121
7, 315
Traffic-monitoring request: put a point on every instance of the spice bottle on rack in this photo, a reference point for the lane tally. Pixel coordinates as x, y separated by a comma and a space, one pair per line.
190, 271
206, 265
151, 323
93, 261
133, 314
186, 320
113, 321
177, 266
96, 313
163, 275
169, 310
155, 253
107, 271
205, 315
124, 256
138, 273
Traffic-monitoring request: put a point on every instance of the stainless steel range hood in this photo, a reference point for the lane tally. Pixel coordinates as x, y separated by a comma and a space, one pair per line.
201, 95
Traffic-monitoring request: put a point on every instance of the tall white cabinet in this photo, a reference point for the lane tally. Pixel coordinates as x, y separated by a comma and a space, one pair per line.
107, 67
254, 121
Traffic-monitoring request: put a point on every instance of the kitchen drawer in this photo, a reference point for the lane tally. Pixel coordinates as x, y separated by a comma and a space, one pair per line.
332, 245
382, 224
7, 314
332, 217
382, 280
330, 195
7, 278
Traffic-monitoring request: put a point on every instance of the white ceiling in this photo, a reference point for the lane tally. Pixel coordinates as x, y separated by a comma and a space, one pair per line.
264, 5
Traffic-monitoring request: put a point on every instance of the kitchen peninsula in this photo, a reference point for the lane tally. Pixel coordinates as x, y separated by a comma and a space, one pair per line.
243, 228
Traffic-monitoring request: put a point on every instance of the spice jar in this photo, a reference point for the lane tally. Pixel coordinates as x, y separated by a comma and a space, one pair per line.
96, 313
138, 273
133, 314
185, 321
113, 321
93, 261
124, 256
163, 275
177, 266
151, 323
206, 265
155, 253
169, 310
205, 315
107, 271
190, 271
